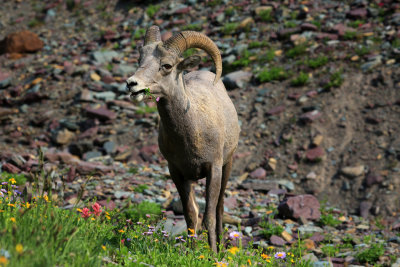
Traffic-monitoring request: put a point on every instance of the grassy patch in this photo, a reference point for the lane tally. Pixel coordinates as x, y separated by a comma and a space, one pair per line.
350, 35
229, 11
230, 28
257, 44
244, 60
267, 56
140, 188
214, 2
271, 74
370, 255
20, 179
189, 52
266, 15
192, 27
290, 24
316, 23
356, 23
270, 229
139, 33
315, 63
396, 43
300, 80
362, 50
296, 51
152, 10
335, 80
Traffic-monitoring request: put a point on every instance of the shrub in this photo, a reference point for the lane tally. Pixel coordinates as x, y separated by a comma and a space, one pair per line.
230, 28
152, 10
296, 51
317, 62
271, 74
266, 15
300, 80
370, 255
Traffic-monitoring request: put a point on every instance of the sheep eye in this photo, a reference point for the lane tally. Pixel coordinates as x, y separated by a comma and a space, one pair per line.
167, 66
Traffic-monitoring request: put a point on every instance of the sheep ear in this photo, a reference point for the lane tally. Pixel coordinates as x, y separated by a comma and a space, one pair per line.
188, 63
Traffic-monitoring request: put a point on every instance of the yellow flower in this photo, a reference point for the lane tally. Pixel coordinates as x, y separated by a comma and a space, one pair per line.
12, 219
45, 197
249, 262
3, 261
271, 247
12, 180
11, 205
1, 210
292, 261
221, 264
27, 205
191, 230
103, 247
79, 210
121, 231
265, 256
108, 217
233, 250
19, 248
201, 257
93, 219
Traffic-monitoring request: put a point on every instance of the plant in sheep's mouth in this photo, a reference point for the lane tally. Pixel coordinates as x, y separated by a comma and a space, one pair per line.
150, 95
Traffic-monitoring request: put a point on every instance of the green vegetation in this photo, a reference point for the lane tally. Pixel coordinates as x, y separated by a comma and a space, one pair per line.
335, 80
327, 218
136, 212
316, 23
290, 24
362, 50
330, 250
229, 11
370, 255
230, 28
356, 23
34, 23
271, 229
189, 52
300, 80
139, 33
192, 27
140, 188
267, 56
146, 109
244, 60
20, 179
214, 2
272, 74
152, 10
350, 35
296, 51
315, 63
396, 43
257, 44
266, 15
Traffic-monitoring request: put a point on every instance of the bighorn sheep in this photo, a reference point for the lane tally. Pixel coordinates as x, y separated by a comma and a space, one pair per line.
199, 128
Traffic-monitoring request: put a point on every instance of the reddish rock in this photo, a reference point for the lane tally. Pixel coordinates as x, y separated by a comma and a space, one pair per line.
108, 204
329, 36
308, 27
359, 13
21, 42
166, 35
315, 154
310, 116
89, 132
184, 10
287, 32
71, 175
317, 237
277, 241
372, 179
10, 168
275, 110
258, 173
230, 202
306, 206
84, 167
101, 113
365, 206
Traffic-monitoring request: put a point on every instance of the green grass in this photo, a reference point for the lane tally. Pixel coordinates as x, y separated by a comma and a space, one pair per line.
329, 219
229, 11
152, 10
290, 24
270, 229
230, 28
192, 27
213, 3
140, 188
244, 60
315, 63
139, 33
350, 35
300, 80
396, 43
20, 179
362, 50
257, 44
272, 74
335, 80
371, 254
189, 52
296, 51
267, 56
356, 23
266, 15
316, 23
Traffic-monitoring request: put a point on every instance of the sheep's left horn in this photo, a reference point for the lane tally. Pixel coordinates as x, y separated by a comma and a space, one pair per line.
152, 35
182, 41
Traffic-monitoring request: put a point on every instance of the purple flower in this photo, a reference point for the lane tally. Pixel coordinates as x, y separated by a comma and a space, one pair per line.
148, 215
13, 186
280, 255
166, 235
4, 191
18, 192
139, 223
129, 221
128, 239
147, 233
193, 236
151, 228
235, 235
178, 237
1, 194
163, 231
183, 240
4, 183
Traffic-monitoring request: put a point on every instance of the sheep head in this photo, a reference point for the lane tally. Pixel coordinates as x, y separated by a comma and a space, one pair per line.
160, 64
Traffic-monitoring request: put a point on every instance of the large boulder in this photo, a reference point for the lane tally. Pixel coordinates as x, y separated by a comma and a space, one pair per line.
305, 206
21, 42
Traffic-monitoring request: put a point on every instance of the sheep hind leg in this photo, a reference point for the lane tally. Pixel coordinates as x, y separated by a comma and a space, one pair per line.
186, 193
226, 171
213, 186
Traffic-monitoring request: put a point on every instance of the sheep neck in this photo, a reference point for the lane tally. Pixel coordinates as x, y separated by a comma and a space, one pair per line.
174, 108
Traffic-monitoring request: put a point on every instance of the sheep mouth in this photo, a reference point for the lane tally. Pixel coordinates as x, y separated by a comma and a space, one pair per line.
143, 91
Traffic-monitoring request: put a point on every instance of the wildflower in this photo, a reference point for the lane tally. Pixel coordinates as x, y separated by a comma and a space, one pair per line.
183, 240
221, 264
108, 217
3, 183
46, 198
12, 181
128, 239
103, 247
233, 250
1, 210
12, 219
201, 257
234, 235
85, 213
79, 210
3, 261
148, 215
27, 205
139, 223
249, 262
93, 219
191, 230
121, 231
147, 233
280, 255
96, 209
265, 256
193, 236
19, 248
1, 194
166, 235
127, 221
178, 237
3, 190
271, 247
163, 232
123, 241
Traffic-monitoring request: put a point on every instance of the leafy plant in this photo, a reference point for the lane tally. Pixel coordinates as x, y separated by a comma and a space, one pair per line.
214, 3
152, 10
244, 60
330, 250
139, 33
296, 51
370, 255
267, 56
19, 178
356, 23
350, 35
290, 24
315, 63
230, 28
257, 44
266, 15
192, 27
135, 212
270, 229
336, 80
229, 11
300, 80
140, 188
329, 219
271, 74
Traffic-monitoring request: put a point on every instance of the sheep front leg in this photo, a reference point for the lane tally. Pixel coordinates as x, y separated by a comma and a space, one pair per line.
213, 186
186, 193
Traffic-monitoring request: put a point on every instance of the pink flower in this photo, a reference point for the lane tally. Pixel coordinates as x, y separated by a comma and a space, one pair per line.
158, 99
85, 213
148, 215
96, 209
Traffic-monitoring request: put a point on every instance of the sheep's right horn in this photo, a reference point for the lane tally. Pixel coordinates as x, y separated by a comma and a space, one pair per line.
182, 41
152, 35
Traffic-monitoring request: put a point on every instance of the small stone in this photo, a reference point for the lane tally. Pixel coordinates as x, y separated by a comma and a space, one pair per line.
276, 110
353, 171
359, 13
288, 237
355, 58
310, 116
5, 79
95, 76
258, 173
315, 154
237, 79
277, 241
104, 57
365, 207
310, 257
306, 206
311, 175
247, 22
272, 163
105, 96
310, 245
322, 264
372, 179
86, 95
109, 147
91, 155
317, 140
64, 137
308, 27
101, 113
10, 168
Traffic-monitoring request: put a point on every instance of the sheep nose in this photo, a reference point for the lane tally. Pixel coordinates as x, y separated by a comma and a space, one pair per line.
130, 84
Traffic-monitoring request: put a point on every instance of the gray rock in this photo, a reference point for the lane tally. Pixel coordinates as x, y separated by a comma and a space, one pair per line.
124, 70
105, 96
322, 264
310, 257
229, 59
92, 154
103, 57
372, 64
248, 230
237, 79
309, 229
109, 147
122, 194
397, 263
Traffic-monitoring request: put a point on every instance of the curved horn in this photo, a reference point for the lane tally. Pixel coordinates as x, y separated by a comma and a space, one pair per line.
152, 35
182, 41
